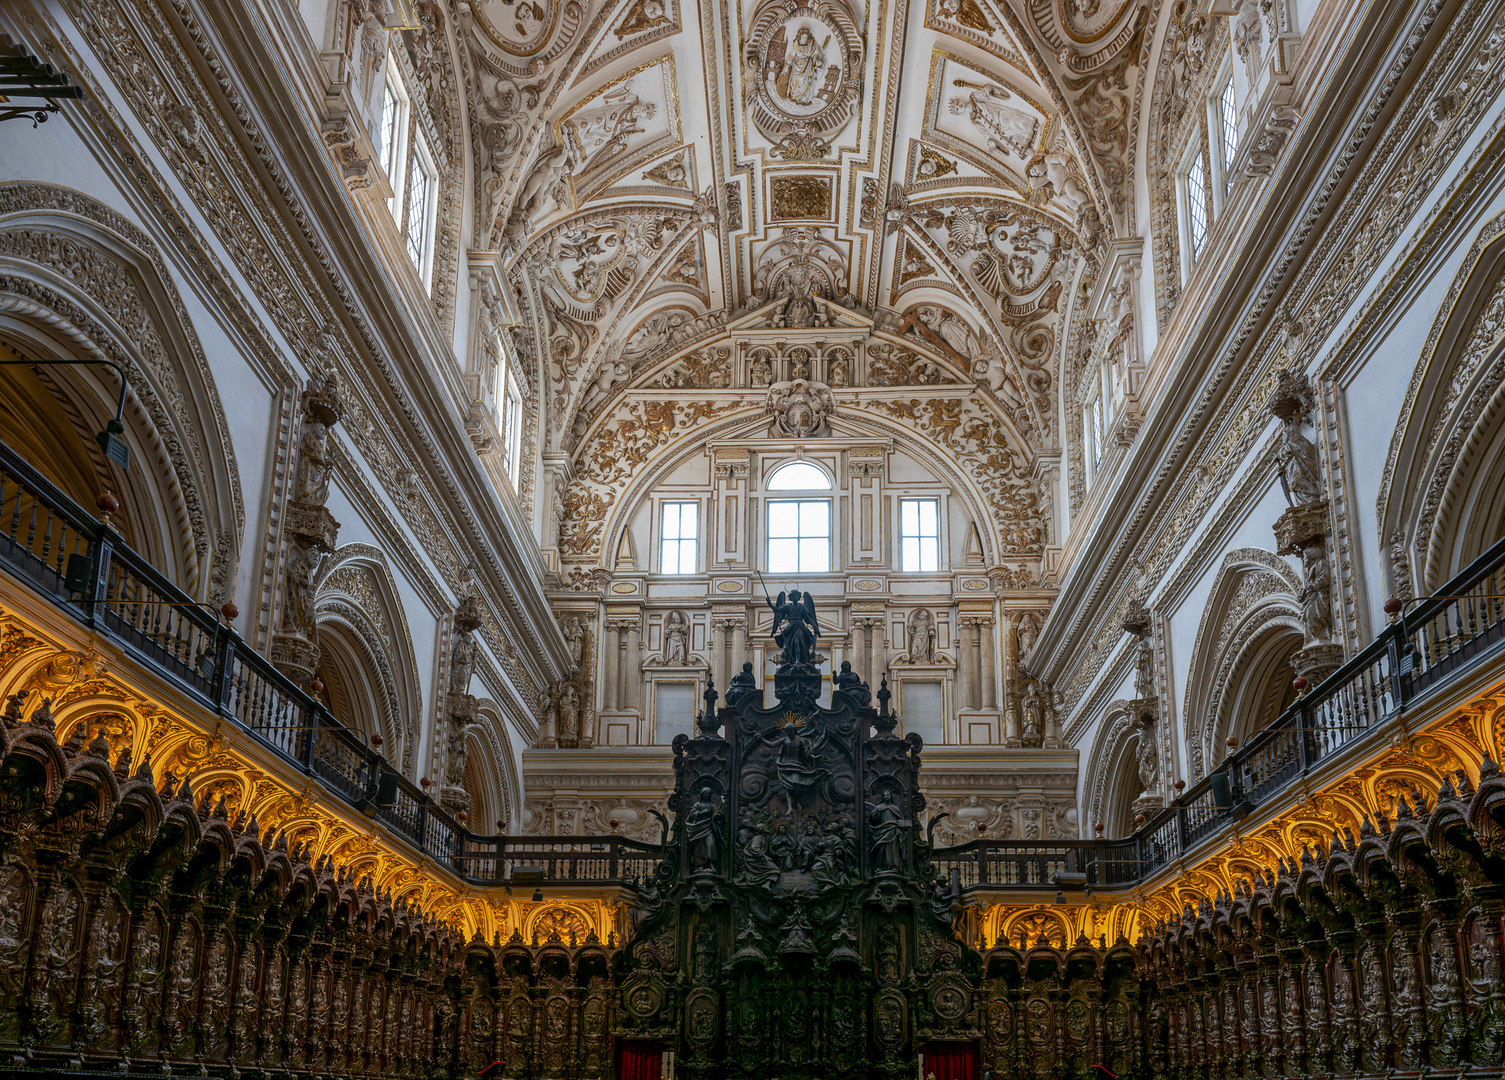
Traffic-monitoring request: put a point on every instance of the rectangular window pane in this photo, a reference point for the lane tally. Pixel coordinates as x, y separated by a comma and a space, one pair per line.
799, 536
783, 519
678, 527
420, 211
783, 556
1229, 116
387, 151
1196, 205
919, 535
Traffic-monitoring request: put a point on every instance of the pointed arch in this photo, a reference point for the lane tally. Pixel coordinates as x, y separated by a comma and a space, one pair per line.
1240, 677
1442, 501
79, 282
1114, 772
367, 663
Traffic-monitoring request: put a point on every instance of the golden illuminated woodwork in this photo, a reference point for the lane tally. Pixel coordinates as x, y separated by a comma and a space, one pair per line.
101, 690
88, 686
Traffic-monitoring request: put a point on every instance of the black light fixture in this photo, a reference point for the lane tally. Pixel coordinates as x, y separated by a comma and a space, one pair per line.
110, 442
23, 79
537, 895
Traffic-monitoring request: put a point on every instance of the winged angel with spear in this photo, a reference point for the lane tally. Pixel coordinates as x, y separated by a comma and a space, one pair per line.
794, 625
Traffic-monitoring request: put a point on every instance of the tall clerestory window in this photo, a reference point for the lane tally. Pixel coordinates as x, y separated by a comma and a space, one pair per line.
1227, 123
919, 535
1195, 188
679, 537
799, 529
509, 409
409, 165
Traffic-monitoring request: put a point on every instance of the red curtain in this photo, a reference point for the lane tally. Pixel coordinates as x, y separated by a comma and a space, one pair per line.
950, 1061
639, 1060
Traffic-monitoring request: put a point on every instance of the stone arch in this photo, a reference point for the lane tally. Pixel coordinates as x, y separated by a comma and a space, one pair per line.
944, 461
1441, 501
1114, 773
1240, 674
78, 281
491, 770
367, 663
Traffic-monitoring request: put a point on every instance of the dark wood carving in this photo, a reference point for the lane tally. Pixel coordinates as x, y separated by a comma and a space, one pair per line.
796, 929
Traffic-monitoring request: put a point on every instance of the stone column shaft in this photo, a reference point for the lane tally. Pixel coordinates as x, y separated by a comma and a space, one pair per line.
989, 674
964, 647
632, 669
609, 684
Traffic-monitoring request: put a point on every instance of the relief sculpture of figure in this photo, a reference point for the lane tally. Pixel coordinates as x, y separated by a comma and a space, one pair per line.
888, 823
795, 627
700, 832
676, 639
804, 62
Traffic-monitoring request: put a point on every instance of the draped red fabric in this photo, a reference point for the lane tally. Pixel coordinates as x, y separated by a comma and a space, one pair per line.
639, 1060
950, 1061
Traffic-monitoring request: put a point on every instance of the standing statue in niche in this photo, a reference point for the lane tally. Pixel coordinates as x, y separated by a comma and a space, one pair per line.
1149, 768
888, 823
569, 715
1300, 474
676, 639
1316, 593
795, 628
700, 832
1144, 670
1033, 711
921, 637
302, 568
315, 463
761, 373
841, 374
1029, 630
574, 636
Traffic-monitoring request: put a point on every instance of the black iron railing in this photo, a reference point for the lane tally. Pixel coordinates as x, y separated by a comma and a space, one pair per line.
49, 542
1421, 651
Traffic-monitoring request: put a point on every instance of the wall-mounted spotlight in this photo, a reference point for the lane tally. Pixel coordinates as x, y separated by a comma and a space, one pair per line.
110, 442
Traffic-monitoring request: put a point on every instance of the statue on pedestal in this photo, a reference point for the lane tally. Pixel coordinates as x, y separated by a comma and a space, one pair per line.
795, 627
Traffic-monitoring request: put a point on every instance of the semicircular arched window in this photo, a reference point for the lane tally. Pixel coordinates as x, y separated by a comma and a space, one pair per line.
799, 476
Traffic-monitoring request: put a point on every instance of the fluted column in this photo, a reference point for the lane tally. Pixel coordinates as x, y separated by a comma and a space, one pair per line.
964, 647
632, 668
739, 648
989, 666
611, 649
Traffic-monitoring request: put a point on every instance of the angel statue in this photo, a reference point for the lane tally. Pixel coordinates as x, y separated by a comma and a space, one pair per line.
794, 626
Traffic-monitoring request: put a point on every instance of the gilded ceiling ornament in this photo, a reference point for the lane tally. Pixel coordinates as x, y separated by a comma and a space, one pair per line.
933, 165
803, 69
795, 198
966, 13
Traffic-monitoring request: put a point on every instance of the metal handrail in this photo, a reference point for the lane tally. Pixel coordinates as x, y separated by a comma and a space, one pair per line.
1408, 658
1418, 652
126, 599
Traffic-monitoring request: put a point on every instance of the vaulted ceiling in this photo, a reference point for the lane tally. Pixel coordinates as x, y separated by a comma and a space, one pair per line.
945, 173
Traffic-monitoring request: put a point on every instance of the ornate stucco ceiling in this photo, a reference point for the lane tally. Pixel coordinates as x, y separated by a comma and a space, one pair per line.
657, 174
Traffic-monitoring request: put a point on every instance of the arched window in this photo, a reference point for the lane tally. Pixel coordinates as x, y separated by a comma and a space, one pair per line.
799, 530
799, 476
